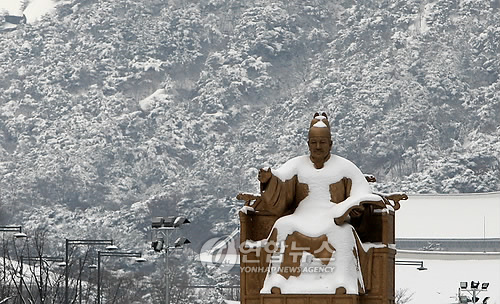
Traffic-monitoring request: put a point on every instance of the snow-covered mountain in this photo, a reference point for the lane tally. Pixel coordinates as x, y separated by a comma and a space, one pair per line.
173, 106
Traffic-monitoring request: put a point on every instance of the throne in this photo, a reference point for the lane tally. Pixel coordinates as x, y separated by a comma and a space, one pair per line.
375, 226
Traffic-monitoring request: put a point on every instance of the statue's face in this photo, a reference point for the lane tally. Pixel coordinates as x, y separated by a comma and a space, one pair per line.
319, 146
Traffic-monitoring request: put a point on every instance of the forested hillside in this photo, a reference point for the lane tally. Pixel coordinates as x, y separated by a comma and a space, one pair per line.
138, 108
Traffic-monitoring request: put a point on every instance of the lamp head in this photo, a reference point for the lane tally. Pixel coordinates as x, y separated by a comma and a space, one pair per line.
156, 222
180, 242
168, 221
111, 247
20, 235
157, 245
180, 220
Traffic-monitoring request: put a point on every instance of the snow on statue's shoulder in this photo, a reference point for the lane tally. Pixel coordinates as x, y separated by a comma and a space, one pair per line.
290, 168
349, 170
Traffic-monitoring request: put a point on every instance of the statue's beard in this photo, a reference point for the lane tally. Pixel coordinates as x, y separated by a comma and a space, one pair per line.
319, 161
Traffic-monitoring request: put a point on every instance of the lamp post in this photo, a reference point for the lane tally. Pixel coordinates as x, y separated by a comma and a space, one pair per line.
90, 268
412, 263
100, 254
18, 234
109, 244
166, 225
473, 291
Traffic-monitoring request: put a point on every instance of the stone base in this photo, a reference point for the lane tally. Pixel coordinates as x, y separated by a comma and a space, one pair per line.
309, 299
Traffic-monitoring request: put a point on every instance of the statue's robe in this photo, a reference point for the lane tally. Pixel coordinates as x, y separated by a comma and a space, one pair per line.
318, 250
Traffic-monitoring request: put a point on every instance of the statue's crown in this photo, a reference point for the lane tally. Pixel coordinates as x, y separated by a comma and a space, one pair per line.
320, 121
320, 127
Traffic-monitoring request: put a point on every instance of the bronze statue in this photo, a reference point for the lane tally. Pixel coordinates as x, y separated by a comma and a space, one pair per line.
317, 226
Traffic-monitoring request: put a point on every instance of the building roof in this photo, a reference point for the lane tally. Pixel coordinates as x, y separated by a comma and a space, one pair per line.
450, 245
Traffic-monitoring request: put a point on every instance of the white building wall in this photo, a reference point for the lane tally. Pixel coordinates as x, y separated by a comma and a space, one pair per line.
459, 216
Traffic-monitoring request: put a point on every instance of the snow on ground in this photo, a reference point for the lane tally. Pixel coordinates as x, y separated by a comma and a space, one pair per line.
439, 284
449, 216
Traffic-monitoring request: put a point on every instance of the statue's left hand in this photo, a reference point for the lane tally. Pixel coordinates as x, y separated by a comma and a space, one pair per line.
265, 175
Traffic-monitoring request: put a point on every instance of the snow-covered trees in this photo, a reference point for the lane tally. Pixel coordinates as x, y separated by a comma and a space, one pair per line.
107, 103
111, 102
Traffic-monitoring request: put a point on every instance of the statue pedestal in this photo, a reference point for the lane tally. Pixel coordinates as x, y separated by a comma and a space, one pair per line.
309, 299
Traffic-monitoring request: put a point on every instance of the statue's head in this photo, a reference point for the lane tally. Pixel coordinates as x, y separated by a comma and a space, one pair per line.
319, 140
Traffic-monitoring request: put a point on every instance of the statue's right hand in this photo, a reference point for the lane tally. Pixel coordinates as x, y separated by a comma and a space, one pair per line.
265, 175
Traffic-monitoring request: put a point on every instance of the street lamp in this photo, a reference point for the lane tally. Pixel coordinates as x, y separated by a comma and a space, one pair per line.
166, 225
100, 254
412, 263
80, 279
473, 291
110, 246
168, 221
18, 234
15, 228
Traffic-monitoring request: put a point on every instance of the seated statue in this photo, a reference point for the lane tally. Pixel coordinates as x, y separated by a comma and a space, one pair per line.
319, 201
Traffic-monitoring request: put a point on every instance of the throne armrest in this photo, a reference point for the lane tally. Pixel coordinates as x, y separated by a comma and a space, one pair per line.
393, 199
255, 224
377, 223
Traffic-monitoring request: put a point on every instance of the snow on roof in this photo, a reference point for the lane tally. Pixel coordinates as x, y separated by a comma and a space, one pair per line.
459, 216
33, 11
37, 8
446, 255
11, 7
